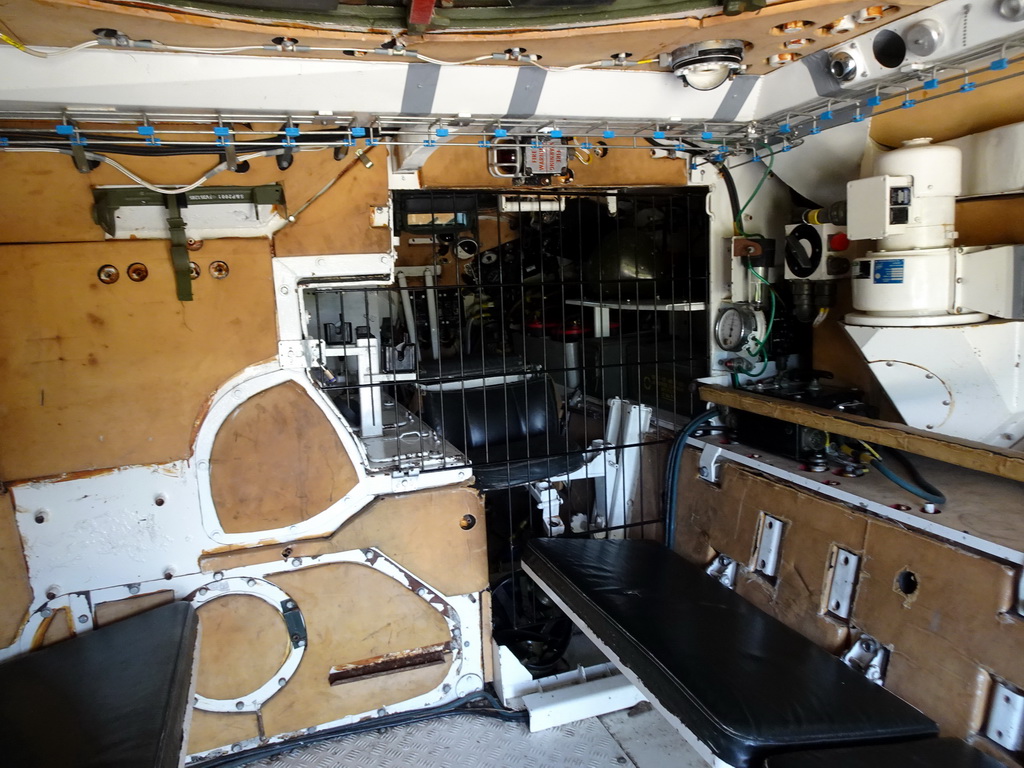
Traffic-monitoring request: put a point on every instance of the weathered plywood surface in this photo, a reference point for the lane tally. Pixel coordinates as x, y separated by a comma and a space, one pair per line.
725, 518
339, 220
462, 164
420, 530
50, 202
228, 625
95, 376
115, 610
956, 115
15, 592
956, 624
277, 461
210, 730
352, 613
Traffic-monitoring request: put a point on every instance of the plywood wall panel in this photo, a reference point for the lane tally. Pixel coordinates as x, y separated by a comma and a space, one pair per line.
625, 164
95, 376
15, 592
210, 730
352, 612
277, 461
422, 531
339, 220
956, 115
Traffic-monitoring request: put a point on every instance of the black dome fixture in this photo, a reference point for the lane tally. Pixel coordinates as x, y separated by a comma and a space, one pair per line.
708, 64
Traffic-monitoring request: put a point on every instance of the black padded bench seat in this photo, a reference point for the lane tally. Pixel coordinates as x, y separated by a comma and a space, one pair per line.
115, 697
931, 753
741, 682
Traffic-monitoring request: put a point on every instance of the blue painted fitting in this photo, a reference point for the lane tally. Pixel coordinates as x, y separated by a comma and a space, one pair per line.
968, 87
815, 130
556, 134
442, 132
65, 130
500, 133
608, 134
586, 145
858, 118
826, 115
3, 141
907, 104
658, 135
429, 143
707, 135
693, 166
1003, 63
757, 159
484, 144
221, 130
358, 131
874, 101
145, 130
931, 85
787, 147
785, 128
291, 130
372, 142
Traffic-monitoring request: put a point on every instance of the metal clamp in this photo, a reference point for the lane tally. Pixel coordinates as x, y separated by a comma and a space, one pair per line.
724, 569
844, 570
1005, 722
707, 466
869, 657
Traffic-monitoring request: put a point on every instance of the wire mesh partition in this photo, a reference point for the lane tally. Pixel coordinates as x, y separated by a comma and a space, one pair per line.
546, 339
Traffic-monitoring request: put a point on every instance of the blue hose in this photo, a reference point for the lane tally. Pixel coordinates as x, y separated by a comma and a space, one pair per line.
675, 457
932, 495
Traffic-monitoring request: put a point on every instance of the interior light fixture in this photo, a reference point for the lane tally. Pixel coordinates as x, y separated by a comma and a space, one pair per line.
708, 64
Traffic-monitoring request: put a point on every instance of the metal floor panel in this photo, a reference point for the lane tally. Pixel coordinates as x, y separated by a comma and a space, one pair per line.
462, 741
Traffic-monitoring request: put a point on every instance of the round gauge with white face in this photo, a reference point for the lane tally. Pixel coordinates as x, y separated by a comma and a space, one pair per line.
733, 327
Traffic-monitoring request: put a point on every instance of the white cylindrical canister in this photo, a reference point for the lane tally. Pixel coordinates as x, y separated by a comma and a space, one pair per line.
936, 180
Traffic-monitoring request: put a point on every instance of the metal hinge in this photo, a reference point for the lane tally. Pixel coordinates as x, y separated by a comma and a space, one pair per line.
869, 657
844, 570
769, 545
1005, 722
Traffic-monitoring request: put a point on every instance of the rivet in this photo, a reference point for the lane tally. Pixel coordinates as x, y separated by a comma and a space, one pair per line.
296, 561
284, 290
250, 583
281, 681
218, 575
239, 705
83, 619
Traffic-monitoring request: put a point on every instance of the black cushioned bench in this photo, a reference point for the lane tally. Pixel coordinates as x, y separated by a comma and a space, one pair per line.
931, 753
742, 683
115, 697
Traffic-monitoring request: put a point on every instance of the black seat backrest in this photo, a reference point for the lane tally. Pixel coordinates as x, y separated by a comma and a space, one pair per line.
476, 417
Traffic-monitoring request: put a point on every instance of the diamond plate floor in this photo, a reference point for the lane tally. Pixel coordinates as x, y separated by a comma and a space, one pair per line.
477, 742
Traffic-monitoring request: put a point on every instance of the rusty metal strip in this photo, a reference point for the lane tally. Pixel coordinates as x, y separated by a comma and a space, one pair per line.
396, 661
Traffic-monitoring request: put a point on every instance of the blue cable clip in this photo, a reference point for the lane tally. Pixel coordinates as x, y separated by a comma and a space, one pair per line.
65, 130
556, 133
534, 142
3, 141
149, 133
658, 135
485, 144
968, 87
907, 104
756, 158
608, 133
787, 147
815, 130
223, 134
500, 133
693, 166
874, 101
998, 64
858, 118
290, 132
931, 85
371, 142
785, 128
707, 135
429, 142
358, 131
586, 145
441, 132
826, 115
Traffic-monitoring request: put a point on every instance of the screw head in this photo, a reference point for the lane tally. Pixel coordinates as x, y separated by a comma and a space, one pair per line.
219, 270
137, 272
108, 274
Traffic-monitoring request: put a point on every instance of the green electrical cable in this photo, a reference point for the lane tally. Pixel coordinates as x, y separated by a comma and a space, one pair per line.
738, 222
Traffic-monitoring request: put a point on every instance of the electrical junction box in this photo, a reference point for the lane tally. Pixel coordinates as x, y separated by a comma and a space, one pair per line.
878, 206
991, 280
816, 252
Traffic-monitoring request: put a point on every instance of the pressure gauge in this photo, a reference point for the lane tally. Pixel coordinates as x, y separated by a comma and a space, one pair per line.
734, 325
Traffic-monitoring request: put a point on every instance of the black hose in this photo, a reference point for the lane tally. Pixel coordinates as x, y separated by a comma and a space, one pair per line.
920, 487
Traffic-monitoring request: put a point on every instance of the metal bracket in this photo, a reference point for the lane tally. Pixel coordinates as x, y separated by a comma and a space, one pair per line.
1005, 723
769, 545
724, 569
300, 353
707, 468
844, 568
869, 657
294, 622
